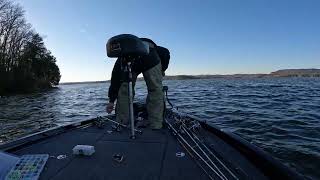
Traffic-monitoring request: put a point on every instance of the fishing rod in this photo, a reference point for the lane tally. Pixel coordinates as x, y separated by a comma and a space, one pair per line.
121, 125
205, 154
210, 152
190, 132
199, 164
193, 150
186, 130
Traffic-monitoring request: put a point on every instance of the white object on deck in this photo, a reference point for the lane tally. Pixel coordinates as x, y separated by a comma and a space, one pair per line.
83, 150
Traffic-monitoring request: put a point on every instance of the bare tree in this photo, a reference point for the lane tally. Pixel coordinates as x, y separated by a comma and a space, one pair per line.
24, 59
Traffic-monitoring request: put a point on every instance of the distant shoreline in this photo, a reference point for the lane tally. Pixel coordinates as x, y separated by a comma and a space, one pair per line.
314, 73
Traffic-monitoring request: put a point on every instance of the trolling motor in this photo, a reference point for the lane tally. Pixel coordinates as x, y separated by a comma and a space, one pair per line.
128, 48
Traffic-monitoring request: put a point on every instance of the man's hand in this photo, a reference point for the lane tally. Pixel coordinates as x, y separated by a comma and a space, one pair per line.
110, 107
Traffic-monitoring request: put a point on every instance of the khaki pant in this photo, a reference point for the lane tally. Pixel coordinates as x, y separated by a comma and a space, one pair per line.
153, 78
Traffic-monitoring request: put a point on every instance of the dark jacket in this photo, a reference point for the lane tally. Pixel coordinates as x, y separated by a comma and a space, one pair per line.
138, 66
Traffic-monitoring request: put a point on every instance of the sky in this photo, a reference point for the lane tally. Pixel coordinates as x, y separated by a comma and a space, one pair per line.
204, 37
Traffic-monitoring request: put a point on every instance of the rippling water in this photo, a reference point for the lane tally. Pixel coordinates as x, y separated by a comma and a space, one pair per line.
282, 116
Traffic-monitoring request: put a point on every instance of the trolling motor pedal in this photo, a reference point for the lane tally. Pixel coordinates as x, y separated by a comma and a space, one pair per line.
128, 48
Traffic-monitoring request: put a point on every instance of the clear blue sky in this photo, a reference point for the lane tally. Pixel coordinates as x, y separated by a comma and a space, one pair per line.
204, 37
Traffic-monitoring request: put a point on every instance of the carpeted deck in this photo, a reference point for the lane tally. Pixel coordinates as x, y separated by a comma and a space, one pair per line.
151, 156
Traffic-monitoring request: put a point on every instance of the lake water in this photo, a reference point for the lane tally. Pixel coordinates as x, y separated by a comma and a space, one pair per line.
281, 115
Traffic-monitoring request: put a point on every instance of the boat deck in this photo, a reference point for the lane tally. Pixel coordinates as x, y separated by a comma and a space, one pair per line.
151, 156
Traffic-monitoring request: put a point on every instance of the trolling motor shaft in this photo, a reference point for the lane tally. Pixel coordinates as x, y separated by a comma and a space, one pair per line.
130, 100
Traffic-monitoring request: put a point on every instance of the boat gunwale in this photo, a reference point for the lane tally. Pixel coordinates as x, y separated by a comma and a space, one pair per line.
38, 136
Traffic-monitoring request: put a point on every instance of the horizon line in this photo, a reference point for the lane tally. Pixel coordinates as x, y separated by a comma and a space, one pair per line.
101, 81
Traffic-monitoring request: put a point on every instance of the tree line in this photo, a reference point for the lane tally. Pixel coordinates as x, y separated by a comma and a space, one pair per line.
26, 64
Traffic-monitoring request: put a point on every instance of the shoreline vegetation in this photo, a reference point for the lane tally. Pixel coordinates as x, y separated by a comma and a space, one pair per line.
26, 65
285, 73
